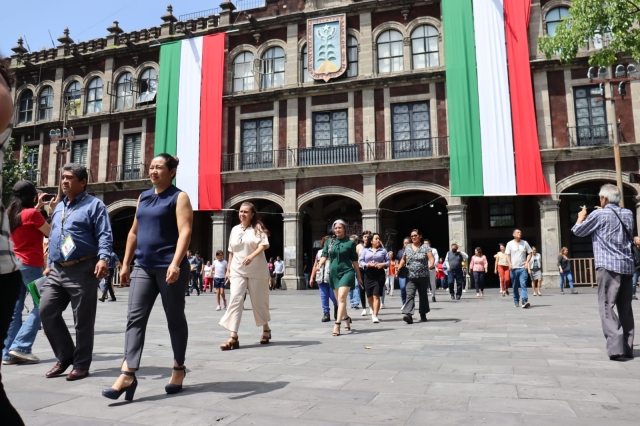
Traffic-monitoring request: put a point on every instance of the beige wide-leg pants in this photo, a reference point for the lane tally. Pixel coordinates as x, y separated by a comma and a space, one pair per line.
259, 292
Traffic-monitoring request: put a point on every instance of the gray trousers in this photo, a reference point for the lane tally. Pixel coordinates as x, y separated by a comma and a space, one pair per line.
76, 284
615, 290
146, 284
420, 285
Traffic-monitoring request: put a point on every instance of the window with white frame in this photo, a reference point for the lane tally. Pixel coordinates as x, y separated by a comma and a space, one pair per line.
554, 17
273, 68
147, 86
352, 56
25, 108
243, 76
32, 159
330, 128
131, 161
257, 143
79, 150
390, 54
72, 98
424, 47
304, 66
94, 96
124, 91
45, 104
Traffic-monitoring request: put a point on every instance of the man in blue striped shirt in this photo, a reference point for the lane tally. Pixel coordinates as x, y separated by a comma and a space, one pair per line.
611, 230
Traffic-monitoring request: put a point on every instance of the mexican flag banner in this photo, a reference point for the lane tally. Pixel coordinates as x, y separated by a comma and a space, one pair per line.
493, 135
189, 115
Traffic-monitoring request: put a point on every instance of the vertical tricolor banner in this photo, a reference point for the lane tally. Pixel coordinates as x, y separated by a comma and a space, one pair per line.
493, 138
189, 115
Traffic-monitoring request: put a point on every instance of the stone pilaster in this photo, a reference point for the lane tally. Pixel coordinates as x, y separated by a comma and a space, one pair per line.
291, 73
365, 46
371, 220
108, 77
550, 244
458, 225
293, 278
220, 232
370, 216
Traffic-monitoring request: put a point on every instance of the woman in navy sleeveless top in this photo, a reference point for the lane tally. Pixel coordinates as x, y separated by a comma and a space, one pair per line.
160, 235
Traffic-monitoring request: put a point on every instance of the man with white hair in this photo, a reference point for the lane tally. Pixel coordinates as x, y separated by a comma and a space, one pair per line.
611, 230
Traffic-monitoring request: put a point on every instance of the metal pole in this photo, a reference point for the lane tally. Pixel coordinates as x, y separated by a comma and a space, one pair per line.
616, 149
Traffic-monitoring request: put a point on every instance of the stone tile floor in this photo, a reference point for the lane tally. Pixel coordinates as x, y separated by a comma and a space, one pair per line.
475, 362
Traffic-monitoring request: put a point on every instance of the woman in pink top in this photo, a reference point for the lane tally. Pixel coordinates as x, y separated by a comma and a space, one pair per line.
479, 267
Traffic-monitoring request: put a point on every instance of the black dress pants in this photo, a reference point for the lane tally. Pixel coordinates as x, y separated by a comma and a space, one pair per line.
419, 285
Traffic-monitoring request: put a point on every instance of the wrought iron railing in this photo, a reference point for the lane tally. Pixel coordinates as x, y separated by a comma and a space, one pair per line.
239, 4
318, 156
255, 160
592, 135
128, 172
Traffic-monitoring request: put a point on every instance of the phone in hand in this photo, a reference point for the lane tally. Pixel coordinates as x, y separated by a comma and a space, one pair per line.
49, 197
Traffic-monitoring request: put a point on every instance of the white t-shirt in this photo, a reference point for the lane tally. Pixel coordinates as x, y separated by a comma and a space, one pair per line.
279, 265
220, 268
207, 271
518, 252
243, 242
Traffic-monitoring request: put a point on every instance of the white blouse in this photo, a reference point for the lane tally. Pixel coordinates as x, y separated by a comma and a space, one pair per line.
243, 242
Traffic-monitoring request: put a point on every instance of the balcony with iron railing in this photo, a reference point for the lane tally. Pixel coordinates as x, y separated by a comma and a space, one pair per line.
239, 4
592, 135
344, 154
125, 172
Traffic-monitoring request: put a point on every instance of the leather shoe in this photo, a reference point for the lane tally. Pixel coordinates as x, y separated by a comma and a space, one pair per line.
77, 374
57, 369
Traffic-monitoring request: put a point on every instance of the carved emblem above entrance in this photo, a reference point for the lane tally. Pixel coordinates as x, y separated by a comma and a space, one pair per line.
327, 47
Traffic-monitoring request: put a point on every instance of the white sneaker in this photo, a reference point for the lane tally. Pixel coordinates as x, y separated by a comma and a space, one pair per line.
375, 319
382, 306
218, 308
370, 311
464, 291
24, 356
11, 361
364, 312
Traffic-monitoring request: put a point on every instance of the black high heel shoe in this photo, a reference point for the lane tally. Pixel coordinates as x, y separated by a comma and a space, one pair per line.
111, 393
171, 389
347, 326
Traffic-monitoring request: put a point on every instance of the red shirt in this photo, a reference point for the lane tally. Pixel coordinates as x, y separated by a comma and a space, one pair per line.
27, 239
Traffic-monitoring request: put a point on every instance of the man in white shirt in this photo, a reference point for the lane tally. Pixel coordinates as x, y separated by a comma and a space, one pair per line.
279, 271
518, 254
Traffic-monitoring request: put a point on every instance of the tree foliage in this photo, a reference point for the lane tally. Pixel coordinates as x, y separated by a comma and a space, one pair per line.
14, 170
615, 20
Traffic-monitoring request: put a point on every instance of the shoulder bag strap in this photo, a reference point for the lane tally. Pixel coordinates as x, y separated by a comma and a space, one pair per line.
626, 230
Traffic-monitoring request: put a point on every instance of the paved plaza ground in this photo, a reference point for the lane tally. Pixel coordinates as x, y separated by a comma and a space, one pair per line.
476, 361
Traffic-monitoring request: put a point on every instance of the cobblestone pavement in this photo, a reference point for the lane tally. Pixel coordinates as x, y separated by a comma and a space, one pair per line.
476, 361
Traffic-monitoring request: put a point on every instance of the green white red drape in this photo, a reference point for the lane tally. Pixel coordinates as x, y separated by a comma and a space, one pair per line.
189, 115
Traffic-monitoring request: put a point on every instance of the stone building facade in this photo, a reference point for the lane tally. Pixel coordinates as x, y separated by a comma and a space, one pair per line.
273, 114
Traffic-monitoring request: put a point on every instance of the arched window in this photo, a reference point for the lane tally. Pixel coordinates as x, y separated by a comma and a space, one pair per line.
124, 91
390, 58
147, 86
554, 17
243, 72
273, 68
424, 47
25, 110
45, 104
352, 56
94, 96
72, 98
304, 66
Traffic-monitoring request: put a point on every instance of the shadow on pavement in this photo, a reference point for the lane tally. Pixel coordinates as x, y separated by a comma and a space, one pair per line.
293, 343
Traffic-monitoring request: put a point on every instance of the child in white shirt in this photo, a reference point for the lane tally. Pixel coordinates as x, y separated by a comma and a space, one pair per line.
220, 271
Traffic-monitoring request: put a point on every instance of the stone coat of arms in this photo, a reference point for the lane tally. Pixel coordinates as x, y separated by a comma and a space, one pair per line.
327, 47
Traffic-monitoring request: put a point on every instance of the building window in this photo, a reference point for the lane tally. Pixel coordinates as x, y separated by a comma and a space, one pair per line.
273, 68
305, 77
330, 129
554, 17
411, 129
124, 91
243, 77
72, 98
352, 56
32, 175
131, 167
591, 116
390, 57
501, 212
79, 152
94, 96
257, 143
45, 104
424, 47
147, 86
25, 110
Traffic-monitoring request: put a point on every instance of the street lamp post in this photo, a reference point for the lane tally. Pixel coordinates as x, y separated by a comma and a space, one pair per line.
62, 139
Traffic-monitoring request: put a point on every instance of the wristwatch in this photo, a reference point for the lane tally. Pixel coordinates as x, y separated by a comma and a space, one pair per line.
105, 259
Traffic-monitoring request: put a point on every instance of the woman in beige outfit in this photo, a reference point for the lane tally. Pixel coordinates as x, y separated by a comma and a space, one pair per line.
248, 269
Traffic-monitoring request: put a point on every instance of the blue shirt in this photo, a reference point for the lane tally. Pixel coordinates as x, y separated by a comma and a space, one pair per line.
87, 222
114, 260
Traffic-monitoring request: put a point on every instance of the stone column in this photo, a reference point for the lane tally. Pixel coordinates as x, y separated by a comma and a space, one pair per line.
550, 244
458, 223
370, 220
220, 232
370, 217
293, 278
365, 52
291, 74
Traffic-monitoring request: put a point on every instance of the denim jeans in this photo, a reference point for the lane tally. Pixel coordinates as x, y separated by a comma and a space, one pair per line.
519, 280
569, 278
355, 296
196, 282
306, 280
636, 275
325, 294
403, 289
457, 276
21, 336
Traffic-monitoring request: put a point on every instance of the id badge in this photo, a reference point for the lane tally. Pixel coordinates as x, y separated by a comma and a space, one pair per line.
68, 247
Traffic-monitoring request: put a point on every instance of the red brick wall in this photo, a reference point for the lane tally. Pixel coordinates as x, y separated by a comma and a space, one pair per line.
76, 70
418, 89
357, 115
282, 125
275, 9
439, 177
252, 108
378, 103
44, 163
624, 111
233, 189
567, 168
149, 56
112, 157
302, 122
132, 124
302, 31
558, 108
94, 162
378, 18
579, 73
305, 185
236, 40
441, 110
278, 33
112, 197
353, 22
81, 130
334, 98
231, 130
150, 141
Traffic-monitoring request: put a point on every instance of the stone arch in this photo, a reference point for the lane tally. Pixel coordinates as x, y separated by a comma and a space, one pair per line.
413, 186
23, 89
552, 5
330, 190
143, 66
71, 79
592, 175
230, 69
252, 195
391, 25
90, 76
116, 206
268, 45
117, 73
242, 48
42, 85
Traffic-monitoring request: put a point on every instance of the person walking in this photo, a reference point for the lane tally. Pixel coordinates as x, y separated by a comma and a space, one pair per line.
114, 262
207, 277
417, 258
502, 270
440, 275
272, 274
534, 267
306, 270
354, 293
248, 270
564, 266
479, 267
432, 271
219, 274
279, 271
636, 273
366, 237
518, 253
161, 268
79, 255
373, 260
391, 274
455, 263
28, 227
402, 271
343, 270
320, 275
192, 278
197, 266
611, 230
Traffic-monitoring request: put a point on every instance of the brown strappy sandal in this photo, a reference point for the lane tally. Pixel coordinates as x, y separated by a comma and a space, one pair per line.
266, 336
232, 343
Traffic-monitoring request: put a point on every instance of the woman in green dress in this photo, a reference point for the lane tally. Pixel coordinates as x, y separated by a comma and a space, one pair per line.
343, 269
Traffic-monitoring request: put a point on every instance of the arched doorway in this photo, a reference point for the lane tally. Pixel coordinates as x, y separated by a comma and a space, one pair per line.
121, 222
271, 215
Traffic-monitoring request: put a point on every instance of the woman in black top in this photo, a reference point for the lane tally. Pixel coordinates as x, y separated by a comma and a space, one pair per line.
565, 270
